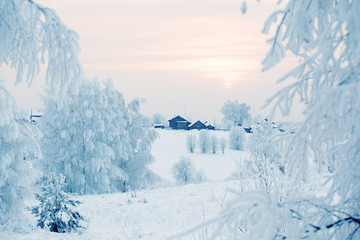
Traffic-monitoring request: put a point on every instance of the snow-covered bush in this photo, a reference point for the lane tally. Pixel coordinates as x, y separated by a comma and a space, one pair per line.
56, 211
265, 159
95, 140
191, 142
184, 171
223, 144
237, 138
214, 143
204, 141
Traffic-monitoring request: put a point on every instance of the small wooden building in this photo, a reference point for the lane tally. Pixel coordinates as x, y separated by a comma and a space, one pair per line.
197, 125
209, 126
179, 122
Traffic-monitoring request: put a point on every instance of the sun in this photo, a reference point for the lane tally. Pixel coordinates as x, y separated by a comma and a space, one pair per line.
227, 84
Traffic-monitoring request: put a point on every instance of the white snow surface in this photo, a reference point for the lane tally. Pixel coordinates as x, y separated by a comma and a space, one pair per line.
156, 213
171, 145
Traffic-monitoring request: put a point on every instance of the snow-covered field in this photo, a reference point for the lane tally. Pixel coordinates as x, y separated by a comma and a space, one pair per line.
163, 211
171, 145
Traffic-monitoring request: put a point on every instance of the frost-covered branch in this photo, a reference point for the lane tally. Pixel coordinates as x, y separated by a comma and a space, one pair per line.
32, 35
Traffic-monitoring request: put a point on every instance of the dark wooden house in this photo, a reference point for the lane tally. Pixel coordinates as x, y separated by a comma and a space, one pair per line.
197, 125
209, 126
179, 122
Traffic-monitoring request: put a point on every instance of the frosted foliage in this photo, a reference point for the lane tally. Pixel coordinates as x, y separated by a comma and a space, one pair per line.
204, 141
237, 138
184, 171
214, 142
223, 144
98, 143
18, 144
32, 34
266, 160
191, 142
87, 139
323, 155
327, 41
56, 211
141, 139
235, 114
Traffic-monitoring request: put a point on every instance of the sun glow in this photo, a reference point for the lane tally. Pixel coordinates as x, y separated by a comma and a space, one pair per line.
227, 84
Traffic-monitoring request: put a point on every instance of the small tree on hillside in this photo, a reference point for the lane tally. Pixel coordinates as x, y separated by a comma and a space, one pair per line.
223, 144
204, 141
191, 142
184, 171
56, 211
237, 138
214, 143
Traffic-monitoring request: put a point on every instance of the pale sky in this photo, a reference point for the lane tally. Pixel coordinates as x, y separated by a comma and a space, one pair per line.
183, 56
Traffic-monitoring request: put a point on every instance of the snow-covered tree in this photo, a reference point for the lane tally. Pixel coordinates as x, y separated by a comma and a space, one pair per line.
325, 37
96, 141
191, 142
29, 34
157, 118
56, 211
237, 138
141, 139
235, 114
204, 140
214, 142
223, 144
18, 149
184, 171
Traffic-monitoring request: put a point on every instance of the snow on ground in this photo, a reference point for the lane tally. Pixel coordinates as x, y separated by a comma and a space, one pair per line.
171, 145
157, 213
151, 214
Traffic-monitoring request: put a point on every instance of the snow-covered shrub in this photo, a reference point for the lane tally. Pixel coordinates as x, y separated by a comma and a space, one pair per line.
204, 141
191, 142
237, 138
184, 171
265, 158
223, 144
214, 143
56, 211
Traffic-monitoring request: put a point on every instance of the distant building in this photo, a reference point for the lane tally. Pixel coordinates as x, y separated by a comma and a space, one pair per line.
34, 117
159, 126
197, 125
179, 122
209, 126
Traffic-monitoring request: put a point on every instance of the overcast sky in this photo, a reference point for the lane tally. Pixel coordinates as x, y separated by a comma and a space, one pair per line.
185, 57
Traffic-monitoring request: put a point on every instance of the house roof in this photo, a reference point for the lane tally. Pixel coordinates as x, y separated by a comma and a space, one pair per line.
198, 121
179, 119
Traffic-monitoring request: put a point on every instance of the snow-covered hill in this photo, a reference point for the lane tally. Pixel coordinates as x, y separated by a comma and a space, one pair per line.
171, 145
160, 212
